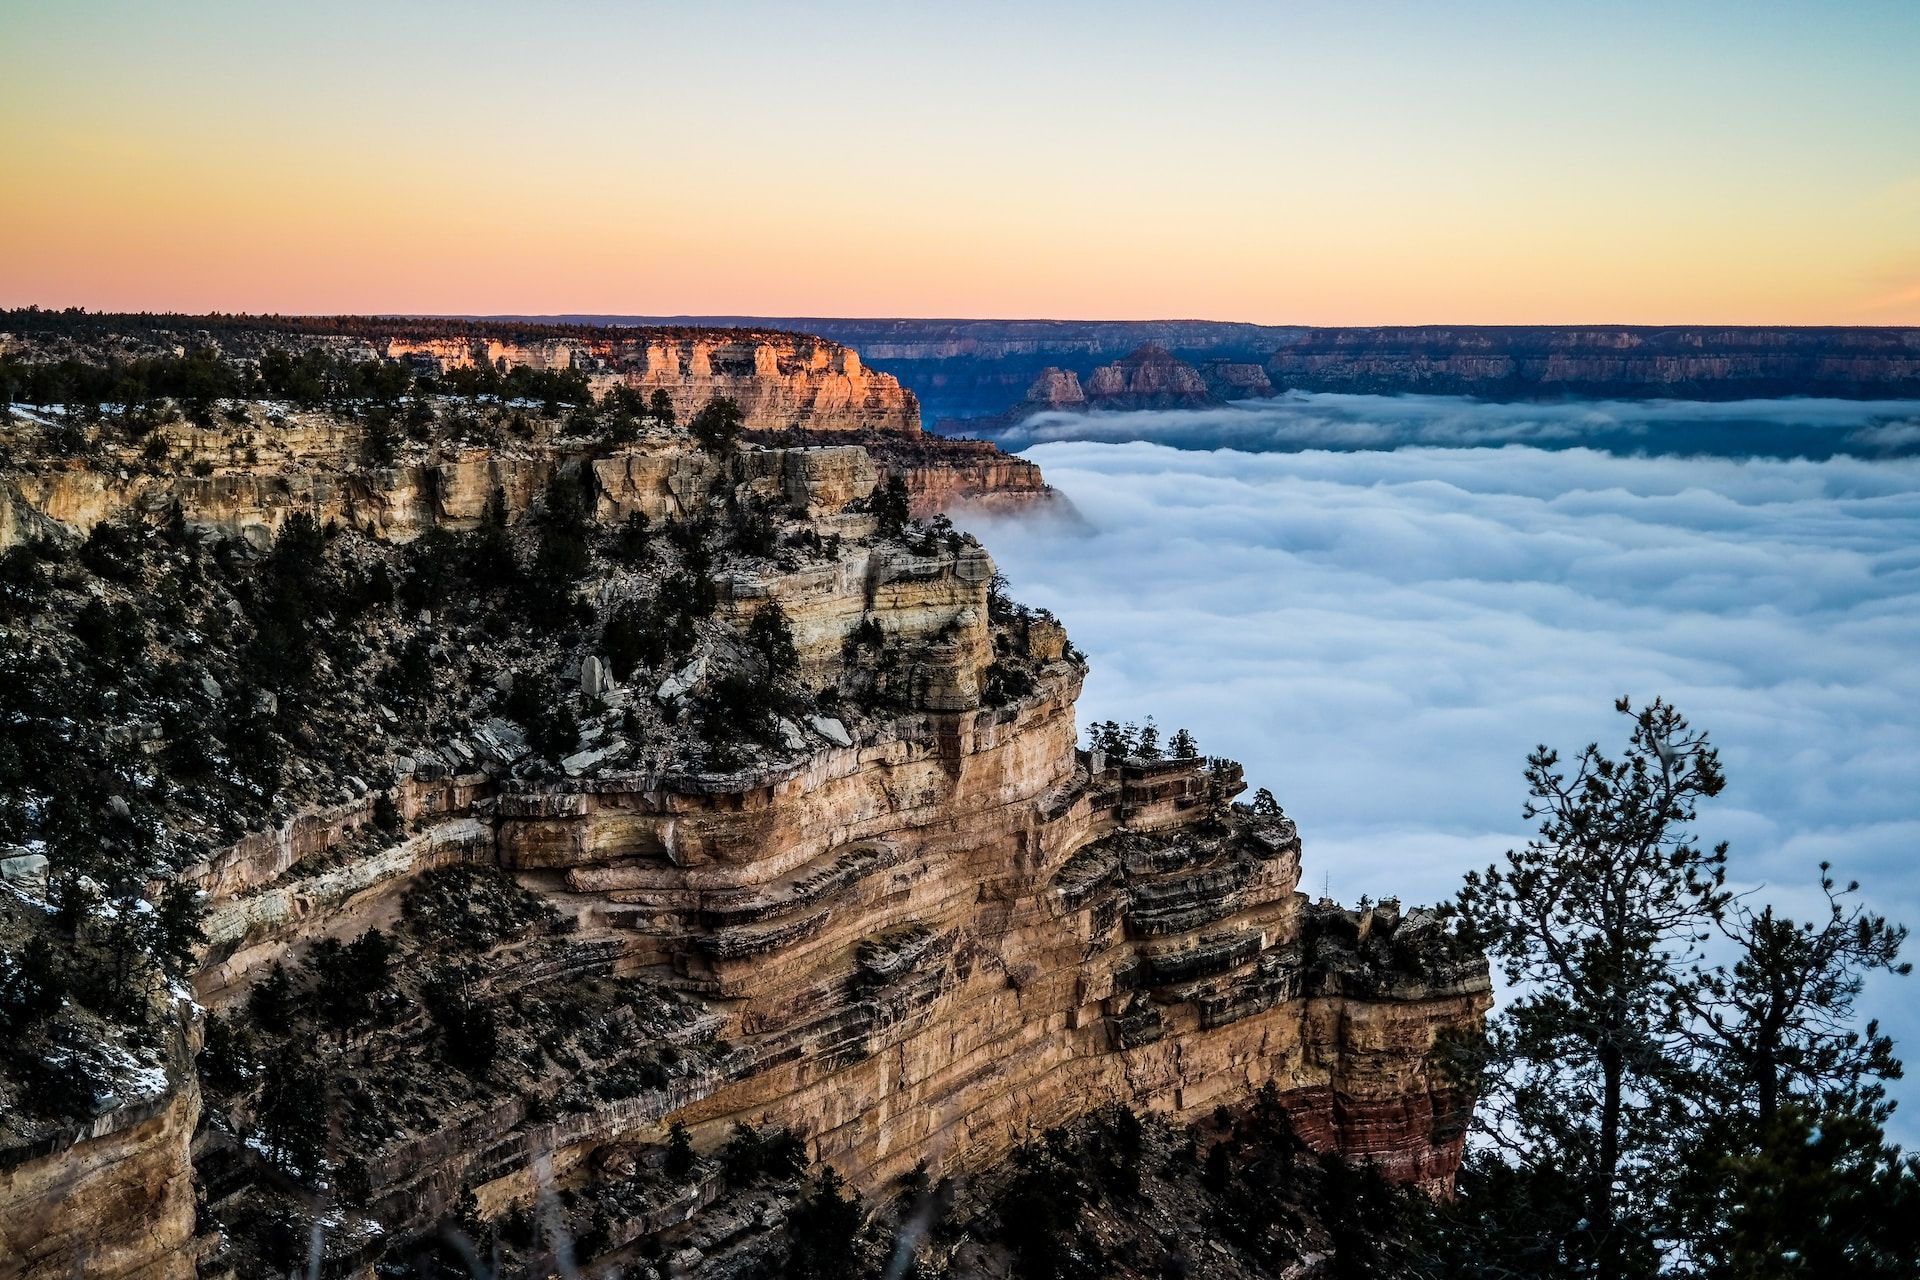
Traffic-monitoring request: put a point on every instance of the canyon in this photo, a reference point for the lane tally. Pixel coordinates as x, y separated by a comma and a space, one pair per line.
966, 371
914, 924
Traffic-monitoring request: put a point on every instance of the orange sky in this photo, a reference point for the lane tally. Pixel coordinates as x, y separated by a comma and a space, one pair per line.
1305, 163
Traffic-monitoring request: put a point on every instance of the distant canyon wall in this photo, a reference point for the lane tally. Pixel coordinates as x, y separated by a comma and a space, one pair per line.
969, 370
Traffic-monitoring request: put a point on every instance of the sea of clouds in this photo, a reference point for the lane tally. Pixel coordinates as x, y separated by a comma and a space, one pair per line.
1381, 636
1807, 428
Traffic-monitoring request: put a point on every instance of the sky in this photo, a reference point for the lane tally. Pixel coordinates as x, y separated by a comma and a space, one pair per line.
1381, 635
1316, 163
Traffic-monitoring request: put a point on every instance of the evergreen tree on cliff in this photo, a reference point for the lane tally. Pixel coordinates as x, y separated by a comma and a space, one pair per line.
717, 425
1596, 922
1648, 1114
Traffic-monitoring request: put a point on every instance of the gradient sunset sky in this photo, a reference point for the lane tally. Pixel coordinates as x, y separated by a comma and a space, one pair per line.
1330, 163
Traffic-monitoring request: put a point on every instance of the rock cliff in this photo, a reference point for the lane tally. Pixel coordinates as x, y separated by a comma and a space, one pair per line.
642, 873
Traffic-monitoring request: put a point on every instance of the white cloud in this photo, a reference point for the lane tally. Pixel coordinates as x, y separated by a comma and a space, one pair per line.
1382, 636
1327, 420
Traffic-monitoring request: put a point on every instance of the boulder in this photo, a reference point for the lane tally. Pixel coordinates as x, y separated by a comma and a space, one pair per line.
24, 868
677, 685
830, 728
595, 680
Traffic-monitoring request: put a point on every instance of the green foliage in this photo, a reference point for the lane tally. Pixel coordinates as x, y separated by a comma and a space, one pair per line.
717, 425
177, 933
632, 541
386, 814
892, 506
1039, 1212
32, 985
635, 636
471, 908
293, 1109
287, 604
226, 1054
754, 531
660, 407
751, 1155
1587, 921
739, 707
1813, 1194
823, 1232
770, 636
347, 977
1656, 1115
680, 1158
469, 1029
378, 445
271, 1002
690, 595
551, 727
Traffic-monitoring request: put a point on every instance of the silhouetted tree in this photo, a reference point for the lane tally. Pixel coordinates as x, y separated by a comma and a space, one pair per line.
1588, 922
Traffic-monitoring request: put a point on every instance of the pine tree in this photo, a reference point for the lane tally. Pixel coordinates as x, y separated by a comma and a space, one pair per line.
771, 636
271, 1002
293, 1109
717, 425
892, 506
660, 407
1589, 923
680, 1158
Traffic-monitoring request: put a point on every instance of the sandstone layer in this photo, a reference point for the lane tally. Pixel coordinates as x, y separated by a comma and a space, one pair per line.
114, 1199
312, 463
917, 945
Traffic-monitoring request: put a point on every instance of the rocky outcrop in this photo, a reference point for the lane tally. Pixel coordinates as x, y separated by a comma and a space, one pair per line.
1150, 377
1235, 379
970, 476
312, 464
779, 381
113, 1199
1056, 389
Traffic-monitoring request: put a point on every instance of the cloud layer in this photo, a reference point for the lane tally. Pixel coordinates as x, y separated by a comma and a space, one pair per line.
1301, 420
1382, 636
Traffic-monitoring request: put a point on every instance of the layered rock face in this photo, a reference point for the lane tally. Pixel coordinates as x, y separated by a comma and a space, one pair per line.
312, 463
916, 943
1236, 379
795, 383
918, 927
1149, 378
970, 370
114, 1199
917, 947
